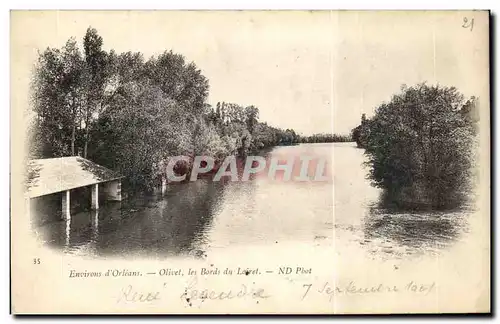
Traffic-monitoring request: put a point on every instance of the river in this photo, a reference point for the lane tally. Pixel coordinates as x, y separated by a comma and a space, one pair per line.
198, 218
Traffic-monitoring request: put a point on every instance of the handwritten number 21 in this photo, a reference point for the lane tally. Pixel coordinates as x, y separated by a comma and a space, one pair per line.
468, 24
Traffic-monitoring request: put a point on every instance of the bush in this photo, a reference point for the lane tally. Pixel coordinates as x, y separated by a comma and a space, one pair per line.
419, 147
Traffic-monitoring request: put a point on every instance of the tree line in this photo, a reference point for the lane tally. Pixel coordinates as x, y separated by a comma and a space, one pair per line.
421, 147
131, 114
326, 138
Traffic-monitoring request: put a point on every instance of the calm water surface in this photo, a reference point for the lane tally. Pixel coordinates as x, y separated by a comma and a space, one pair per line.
195, 218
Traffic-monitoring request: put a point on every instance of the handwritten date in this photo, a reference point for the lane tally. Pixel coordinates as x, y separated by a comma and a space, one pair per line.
354, 289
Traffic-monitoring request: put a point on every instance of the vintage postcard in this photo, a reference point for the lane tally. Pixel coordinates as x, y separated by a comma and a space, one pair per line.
250, 162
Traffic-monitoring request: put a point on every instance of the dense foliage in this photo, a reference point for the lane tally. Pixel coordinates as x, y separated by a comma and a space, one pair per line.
326, 138
420, 146
131, 114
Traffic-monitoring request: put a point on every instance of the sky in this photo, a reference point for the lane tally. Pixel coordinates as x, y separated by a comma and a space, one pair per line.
311, 71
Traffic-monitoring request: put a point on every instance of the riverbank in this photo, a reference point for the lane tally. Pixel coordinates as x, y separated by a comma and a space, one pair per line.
199, 218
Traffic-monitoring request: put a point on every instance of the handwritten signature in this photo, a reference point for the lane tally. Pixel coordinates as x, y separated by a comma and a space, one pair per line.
129, 294
192, 292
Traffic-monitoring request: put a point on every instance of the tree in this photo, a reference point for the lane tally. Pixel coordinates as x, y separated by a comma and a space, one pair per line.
182, 82
132, 116
251, 117
58, 98
73, 86
419, 147
97, 77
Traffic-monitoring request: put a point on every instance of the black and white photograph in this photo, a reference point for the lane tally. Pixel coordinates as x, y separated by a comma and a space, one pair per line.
250, 162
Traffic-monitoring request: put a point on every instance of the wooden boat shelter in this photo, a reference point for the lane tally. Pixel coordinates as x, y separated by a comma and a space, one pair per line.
61, 175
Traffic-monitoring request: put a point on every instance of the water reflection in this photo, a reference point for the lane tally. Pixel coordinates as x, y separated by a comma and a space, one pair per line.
68, 233
145, 225
95, 226
197, 217
362, 220
400, 233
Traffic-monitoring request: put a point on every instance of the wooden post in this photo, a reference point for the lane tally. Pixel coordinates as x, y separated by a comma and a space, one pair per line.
163, 185
95, 224
66, 199
95, 197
